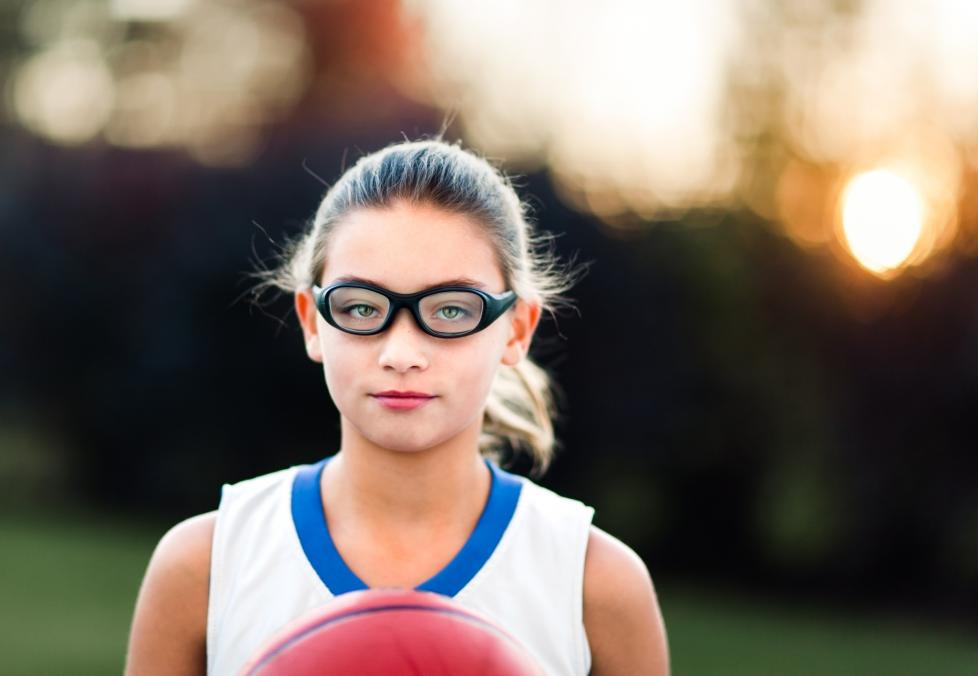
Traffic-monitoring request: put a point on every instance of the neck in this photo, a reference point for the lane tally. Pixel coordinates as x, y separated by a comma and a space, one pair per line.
408, 488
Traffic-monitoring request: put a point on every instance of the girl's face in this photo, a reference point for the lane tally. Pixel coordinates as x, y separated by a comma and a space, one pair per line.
406, 248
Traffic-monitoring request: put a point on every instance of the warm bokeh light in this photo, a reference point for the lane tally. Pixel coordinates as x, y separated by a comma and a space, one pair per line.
806, 199
148, 10
202, 76
811, 198
882, 218
623, 100
640, 109
637, 109
65, 92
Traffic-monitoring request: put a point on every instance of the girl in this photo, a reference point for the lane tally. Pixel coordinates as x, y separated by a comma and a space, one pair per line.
418, 288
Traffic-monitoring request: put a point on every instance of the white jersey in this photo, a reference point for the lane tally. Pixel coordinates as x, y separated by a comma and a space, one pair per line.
273, 559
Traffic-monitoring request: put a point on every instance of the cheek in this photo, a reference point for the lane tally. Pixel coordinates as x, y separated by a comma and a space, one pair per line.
341, 365
475, 370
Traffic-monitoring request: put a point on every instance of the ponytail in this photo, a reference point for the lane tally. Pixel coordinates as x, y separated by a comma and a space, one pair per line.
519, 413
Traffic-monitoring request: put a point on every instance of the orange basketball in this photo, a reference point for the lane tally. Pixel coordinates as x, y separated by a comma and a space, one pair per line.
392, 631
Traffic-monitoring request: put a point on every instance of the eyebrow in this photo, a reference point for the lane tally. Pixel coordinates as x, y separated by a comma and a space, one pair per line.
458, 281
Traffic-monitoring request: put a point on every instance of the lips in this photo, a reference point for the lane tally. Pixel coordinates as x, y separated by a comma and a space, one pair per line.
397, 400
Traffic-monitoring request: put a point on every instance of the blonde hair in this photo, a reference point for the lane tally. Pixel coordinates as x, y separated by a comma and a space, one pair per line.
520, 407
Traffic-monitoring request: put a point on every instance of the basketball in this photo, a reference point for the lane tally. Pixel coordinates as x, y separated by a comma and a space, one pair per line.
392, 631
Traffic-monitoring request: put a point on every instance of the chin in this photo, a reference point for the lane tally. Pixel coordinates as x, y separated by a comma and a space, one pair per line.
402, 443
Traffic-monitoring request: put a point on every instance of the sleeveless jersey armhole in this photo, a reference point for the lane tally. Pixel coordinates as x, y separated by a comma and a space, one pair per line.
215, 592
584, 649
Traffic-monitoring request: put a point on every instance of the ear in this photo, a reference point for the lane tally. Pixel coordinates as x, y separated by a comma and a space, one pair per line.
305, 310
525, 317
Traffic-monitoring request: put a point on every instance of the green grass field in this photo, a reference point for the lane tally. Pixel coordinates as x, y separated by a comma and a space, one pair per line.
67, 590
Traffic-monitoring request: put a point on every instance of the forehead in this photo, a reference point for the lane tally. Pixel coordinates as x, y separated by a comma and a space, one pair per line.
407, 247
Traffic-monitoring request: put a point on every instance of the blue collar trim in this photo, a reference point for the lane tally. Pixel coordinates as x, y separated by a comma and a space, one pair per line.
317, 543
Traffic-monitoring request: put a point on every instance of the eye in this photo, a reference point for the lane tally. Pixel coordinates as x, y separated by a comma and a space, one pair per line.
360, 311
452, 312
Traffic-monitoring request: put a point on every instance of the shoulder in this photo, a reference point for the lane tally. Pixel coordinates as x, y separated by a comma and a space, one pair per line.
184, 551
189, 542
622, 619
169, 627
181, 560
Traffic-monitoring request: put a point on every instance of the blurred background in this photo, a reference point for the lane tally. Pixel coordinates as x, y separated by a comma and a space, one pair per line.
770, 387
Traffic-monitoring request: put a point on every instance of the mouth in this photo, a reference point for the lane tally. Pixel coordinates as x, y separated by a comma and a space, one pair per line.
397, 394
402, 401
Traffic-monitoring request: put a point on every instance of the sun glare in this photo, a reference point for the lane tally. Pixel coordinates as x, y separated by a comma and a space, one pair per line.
882, 219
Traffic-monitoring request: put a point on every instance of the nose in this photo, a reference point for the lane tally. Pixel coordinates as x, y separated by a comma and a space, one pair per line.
404, 344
